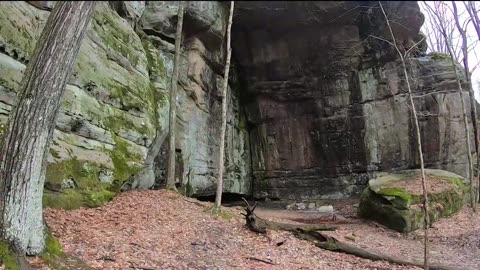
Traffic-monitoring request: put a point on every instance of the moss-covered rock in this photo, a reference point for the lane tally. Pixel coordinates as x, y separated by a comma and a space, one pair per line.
7, 257
389, 201
88, 190
439, 56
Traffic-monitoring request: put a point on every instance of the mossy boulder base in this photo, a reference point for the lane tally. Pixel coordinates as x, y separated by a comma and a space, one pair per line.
395, 200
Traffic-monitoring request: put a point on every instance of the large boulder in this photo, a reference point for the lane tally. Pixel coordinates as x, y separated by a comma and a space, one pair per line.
395, 200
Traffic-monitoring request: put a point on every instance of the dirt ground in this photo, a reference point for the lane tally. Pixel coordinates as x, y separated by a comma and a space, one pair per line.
163, 230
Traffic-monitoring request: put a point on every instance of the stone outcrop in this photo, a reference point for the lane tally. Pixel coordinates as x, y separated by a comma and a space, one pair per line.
395, 200
326, 97
316, 105
116, 102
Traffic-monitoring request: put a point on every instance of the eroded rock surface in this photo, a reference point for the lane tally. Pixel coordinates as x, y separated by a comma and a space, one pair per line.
116, 102
327, 101
395, 200
317, 102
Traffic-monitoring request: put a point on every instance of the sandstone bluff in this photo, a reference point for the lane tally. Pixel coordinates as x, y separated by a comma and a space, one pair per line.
317, 102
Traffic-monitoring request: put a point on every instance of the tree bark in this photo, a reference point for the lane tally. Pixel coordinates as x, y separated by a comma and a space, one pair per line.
472, 101
173, 101
218, 197
30, 127
419, 139
471, 8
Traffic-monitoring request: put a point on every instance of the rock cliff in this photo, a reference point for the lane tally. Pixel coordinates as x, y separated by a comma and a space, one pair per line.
317, 101
326, 97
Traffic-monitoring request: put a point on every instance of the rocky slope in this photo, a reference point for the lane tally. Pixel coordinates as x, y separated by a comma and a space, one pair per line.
317, 104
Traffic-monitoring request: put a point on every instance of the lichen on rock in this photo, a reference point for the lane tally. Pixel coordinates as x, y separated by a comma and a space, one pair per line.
389, 199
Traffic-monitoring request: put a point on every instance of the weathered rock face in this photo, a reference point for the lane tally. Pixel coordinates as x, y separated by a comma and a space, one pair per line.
317, 104
388, 200
199, 100
327, 102
116, 103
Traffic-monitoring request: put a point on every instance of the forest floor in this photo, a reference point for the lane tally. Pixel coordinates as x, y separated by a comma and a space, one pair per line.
164, 230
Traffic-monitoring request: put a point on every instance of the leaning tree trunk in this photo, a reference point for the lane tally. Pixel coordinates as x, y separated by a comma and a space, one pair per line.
24, 149
173, 101
472, 99
218, 198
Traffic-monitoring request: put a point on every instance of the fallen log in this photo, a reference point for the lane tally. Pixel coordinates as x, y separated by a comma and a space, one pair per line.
312, 233
260, 225
333, 244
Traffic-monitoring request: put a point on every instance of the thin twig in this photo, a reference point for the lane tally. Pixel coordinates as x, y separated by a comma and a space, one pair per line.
262, 260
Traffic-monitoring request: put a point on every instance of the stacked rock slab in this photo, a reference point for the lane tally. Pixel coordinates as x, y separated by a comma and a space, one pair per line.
116, 101
400, 209
327, 100
316, 105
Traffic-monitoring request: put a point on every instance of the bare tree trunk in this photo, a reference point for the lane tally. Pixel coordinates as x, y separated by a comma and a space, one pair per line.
471, 8
218, 198
419, 140
173, 101
30, 127
472, 99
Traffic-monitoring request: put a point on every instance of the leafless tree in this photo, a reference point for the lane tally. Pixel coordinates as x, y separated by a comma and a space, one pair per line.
173, 100
218, 198
473, 9
442, 24
461, 27
403, 55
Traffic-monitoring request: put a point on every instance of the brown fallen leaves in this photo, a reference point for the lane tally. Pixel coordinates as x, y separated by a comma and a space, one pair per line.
164, 230
454, 241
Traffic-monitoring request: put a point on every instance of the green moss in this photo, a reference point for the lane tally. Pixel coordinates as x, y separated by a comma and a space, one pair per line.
330, 244
89, 191
156, 66
85, 174
219, 212
374, 207
54, 153
439, 55
402, 198
97, 198
52, 246
23, 36
2, 131
120, 158
385, 207
143, 100
72, 199
108, 26
7, 257
66, 199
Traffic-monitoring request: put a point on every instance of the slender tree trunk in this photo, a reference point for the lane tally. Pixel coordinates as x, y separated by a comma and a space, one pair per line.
422, 168
218, 198
173, 100
472, 99
31, 124
471, 8
419, 140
